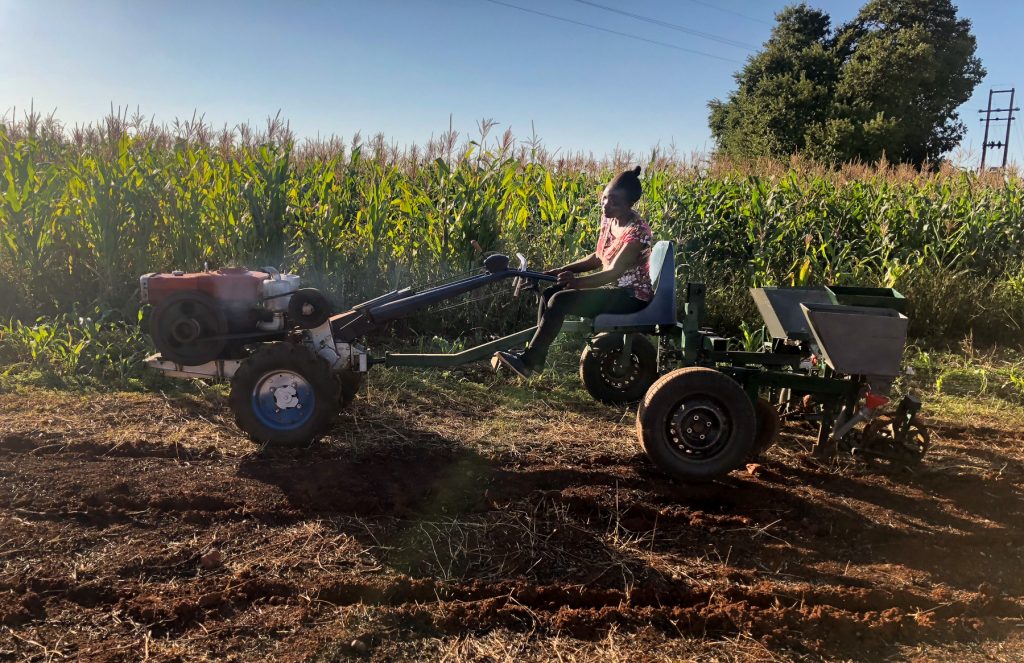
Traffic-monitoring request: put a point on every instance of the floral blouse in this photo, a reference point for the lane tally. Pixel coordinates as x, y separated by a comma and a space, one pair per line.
638, 276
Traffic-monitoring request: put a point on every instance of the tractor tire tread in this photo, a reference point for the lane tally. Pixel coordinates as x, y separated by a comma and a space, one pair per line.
768, 425
290, 356
657, 405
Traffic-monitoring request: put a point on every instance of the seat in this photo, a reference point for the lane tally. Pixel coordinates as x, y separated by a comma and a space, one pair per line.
661, 310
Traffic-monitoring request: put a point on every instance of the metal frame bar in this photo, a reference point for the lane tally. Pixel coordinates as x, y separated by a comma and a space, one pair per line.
475, 353
367, 316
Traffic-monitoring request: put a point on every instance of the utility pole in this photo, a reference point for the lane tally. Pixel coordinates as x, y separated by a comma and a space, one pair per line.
1003, 145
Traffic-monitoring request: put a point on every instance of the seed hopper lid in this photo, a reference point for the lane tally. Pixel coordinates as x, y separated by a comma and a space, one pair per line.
858, 340
780, 309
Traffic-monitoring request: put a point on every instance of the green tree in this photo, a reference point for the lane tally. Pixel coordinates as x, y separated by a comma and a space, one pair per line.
887, 83
782, 91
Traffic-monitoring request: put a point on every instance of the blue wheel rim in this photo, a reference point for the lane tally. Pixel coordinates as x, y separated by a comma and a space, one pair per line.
283, 400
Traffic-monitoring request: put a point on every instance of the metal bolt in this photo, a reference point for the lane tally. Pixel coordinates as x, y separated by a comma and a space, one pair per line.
299, 406
702, 437
689, 430
696, 417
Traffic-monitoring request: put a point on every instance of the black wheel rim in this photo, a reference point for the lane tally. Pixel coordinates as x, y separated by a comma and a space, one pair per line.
699, 428
616, 373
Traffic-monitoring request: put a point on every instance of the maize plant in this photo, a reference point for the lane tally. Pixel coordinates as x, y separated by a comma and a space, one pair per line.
81, 216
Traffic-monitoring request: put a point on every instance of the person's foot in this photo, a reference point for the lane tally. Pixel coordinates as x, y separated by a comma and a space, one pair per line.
513, 361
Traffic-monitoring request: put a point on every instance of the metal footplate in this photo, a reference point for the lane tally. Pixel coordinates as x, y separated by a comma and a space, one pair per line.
218, 369
339, 356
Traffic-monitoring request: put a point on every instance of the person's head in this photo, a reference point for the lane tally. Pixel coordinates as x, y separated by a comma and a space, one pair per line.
621, 194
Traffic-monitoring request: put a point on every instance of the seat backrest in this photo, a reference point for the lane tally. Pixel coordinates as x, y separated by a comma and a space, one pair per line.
661, 310
662, 250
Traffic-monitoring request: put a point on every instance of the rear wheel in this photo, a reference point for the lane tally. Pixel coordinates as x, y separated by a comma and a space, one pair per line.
768, 425
696, 424
283, 394
613, 378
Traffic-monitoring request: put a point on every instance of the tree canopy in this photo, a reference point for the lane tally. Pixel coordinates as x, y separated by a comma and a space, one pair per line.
887, 83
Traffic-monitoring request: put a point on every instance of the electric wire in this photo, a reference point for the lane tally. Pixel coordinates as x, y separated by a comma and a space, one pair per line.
1020, 140
730, 11
614, 32
671, 26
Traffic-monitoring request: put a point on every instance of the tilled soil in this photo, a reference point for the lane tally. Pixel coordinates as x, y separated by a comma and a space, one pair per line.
135, 526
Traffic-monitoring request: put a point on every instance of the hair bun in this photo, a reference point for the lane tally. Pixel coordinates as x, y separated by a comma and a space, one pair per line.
629, 182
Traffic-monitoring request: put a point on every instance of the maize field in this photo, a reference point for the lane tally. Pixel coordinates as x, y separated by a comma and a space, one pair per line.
84, 212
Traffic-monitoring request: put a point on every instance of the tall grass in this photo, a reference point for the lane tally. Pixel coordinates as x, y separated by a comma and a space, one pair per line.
84, 211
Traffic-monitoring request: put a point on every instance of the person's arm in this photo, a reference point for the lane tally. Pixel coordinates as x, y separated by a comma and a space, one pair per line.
588, 264
628, 256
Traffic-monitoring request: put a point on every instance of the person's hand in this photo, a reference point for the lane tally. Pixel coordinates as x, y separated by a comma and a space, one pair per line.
553, 272
567, 280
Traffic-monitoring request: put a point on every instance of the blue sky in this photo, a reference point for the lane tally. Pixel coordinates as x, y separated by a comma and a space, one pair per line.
402, 67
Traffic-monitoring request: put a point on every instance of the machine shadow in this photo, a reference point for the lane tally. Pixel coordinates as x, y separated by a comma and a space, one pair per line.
401, 480
398, 473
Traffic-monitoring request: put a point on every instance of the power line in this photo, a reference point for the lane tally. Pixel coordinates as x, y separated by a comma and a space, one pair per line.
672, 26
1020, 142
730, 11
613, 32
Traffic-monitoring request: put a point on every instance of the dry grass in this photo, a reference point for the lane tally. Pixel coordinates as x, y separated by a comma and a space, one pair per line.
443, 511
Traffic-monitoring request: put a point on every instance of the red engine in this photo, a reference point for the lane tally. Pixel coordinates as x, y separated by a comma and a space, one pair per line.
230, 284
196, 317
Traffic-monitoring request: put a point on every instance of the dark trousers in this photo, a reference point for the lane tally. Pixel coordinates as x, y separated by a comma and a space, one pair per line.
556, 303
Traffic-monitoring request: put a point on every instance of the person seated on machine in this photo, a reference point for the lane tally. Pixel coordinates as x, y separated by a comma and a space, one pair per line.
622, 286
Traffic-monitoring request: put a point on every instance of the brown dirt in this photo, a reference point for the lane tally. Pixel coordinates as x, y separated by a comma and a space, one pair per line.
456, 526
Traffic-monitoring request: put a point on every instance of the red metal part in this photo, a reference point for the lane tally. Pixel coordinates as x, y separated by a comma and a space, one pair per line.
875, 401
230, 284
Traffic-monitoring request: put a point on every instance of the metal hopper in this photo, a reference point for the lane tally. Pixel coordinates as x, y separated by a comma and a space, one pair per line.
858, 340
858, 296
780, 309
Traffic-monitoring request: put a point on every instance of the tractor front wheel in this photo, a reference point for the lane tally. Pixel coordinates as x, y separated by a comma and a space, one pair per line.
696, 424
283, 394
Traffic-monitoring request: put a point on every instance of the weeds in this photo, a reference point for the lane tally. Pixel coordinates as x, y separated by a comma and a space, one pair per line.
66, 351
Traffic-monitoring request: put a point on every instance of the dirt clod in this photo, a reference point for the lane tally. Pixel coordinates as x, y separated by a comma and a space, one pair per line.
212, 560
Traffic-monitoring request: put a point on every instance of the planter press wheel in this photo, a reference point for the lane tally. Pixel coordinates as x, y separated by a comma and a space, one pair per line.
768, 425
696, 424
188, 328
878, 440
285, 395
610, 379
